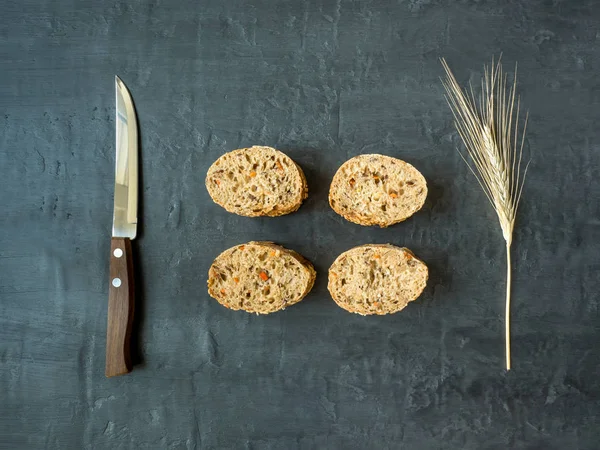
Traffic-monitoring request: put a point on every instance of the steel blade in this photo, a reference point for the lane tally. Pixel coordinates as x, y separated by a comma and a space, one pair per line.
126, 165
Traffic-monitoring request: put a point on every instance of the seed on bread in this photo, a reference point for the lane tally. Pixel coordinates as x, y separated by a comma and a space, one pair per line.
257, 181
377, 190
376, 279
260, 277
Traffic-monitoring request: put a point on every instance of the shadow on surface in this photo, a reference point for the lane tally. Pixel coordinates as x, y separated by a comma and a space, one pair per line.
137, 357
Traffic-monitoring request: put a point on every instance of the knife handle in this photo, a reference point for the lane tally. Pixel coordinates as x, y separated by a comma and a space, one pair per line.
120, 308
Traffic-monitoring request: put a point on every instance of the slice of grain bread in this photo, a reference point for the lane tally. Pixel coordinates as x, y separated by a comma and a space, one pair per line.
257, 181
377, 190
260, 277
376, 279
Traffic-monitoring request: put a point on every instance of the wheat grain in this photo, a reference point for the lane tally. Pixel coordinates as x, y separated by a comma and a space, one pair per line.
488, 128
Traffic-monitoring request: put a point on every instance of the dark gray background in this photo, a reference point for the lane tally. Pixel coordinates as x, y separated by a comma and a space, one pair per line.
322, 81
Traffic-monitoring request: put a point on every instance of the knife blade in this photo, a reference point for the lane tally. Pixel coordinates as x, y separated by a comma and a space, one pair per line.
121, 299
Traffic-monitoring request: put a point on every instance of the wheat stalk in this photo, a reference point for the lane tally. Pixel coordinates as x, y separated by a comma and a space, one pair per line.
488, 127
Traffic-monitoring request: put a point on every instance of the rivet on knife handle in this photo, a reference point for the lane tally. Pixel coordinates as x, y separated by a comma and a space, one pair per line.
120, 308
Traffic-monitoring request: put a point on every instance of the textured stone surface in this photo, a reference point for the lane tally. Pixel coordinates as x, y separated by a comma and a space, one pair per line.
322, 81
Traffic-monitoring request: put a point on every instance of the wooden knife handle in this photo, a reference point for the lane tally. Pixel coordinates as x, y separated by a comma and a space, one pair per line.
120, 308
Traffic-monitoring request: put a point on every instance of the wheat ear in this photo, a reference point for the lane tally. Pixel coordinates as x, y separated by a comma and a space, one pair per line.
488, 127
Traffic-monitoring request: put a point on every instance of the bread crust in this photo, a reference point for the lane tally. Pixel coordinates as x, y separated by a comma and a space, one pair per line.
378, 190
252, 277
257, 181
376, 279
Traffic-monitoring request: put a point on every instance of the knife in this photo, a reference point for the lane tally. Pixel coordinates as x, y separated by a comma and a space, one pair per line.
121, 283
